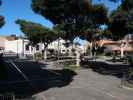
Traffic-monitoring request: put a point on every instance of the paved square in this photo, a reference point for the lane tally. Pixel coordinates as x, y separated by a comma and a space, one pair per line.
89, 85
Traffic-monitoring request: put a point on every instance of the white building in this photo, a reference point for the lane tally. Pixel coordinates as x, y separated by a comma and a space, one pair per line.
58, 45
14, 45
21, 46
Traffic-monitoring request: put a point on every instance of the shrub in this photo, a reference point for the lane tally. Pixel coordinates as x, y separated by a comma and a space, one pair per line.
130, 59
38, 56
71, 67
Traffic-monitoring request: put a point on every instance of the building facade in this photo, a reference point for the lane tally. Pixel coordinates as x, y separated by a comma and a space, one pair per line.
22, 46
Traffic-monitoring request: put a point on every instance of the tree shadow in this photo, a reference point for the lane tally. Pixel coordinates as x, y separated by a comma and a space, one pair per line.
104, 68
36, 81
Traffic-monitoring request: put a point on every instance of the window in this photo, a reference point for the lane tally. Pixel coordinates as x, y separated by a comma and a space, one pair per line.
27, 47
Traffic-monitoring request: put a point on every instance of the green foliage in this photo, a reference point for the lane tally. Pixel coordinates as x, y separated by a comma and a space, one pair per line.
118, 24
60, 31
36, 33
38, 56
121, 20
127, 5
49, 8
130, 59
71, 67
76, 16
2, 21
64, 32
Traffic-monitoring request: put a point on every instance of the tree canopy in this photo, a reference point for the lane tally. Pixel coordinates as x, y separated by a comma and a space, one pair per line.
121, 22
76, 15
36, 33
82, 18
2, 22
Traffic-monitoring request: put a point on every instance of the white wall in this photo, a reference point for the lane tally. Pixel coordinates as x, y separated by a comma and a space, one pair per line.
54, 45
19, 46
14, 46
2, 42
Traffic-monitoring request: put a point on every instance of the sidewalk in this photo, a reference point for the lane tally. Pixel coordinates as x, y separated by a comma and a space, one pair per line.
89, 85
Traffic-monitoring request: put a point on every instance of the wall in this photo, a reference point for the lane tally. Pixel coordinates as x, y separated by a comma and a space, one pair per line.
54, 45
13, 46
2, 42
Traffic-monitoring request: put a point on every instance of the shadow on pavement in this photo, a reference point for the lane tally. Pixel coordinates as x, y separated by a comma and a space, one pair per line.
3, 70
37, 80
107, 69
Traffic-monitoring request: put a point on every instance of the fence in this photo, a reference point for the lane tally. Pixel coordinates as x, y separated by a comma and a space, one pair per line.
7, 97
12, 97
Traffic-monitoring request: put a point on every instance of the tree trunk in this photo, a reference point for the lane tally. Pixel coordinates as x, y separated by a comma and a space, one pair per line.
22, 55
22, 47
71, 53
91, 54
122, 52
77, 58
33, 53
45, 52
58, 48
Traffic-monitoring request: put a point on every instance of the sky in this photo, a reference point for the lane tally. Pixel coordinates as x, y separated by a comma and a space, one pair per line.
21, 9
18, 9
109, 5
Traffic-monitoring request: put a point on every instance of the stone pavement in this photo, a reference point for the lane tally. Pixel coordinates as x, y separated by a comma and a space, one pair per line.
88, 85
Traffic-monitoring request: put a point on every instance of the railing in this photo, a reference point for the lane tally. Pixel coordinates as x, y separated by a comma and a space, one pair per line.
7, 97
12, 97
